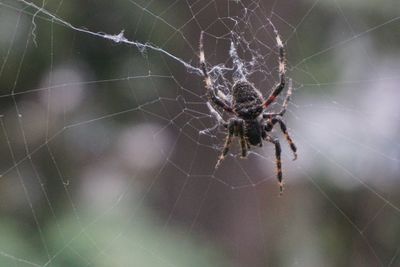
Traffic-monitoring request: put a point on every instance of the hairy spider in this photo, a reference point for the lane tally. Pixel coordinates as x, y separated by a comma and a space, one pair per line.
250, 121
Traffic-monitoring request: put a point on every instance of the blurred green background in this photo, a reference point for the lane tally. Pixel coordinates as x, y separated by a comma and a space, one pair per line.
108, 150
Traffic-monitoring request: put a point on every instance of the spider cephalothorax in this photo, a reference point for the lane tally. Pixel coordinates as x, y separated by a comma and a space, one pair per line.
250, 121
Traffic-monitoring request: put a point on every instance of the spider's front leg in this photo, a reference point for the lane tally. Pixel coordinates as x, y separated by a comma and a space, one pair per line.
235, 128
244, 145
278, 151
270, 124
228, 141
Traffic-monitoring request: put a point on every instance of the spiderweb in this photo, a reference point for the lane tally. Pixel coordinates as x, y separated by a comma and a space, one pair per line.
109, 146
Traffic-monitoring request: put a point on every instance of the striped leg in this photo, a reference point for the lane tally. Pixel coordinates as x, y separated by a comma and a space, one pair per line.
278, 151
243, 141
228, 141
270, 125
213, 95
282, 71
284, 105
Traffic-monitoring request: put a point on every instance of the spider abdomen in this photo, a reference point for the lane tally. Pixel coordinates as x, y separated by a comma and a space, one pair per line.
247, 100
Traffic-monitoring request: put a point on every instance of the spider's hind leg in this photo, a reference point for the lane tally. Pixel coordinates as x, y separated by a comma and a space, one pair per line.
284, 105
215, 96
282, 71
287, 98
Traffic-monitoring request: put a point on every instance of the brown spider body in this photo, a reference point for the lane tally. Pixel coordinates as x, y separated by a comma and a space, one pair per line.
247, 101
247, 104
249, 119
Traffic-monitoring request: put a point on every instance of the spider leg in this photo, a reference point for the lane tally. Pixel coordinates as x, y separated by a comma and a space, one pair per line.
287, 98
243, 142
217, 115
282, 71
284, 105
270, 124
228, 141
212, 93
278, 151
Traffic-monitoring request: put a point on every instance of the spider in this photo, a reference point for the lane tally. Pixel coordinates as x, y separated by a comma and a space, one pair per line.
250, 121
